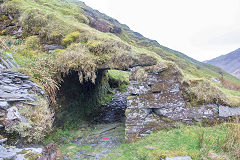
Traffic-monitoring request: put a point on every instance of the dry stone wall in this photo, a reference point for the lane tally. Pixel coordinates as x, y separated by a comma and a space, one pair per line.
19, 97
155, 101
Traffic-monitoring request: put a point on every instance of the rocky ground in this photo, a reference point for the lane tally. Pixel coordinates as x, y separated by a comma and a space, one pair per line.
13, 153
99, 143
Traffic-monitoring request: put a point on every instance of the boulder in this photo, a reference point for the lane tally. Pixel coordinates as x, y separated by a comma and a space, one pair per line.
225, 111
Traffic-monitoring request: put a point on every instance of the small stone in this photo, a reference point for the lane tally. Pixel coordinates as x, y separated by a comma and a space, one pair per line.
4, 105
3, 140
12, 114
7, 81
2, 67
9, 95
5, 63
178, 158
52, 47
149, 147
215, 80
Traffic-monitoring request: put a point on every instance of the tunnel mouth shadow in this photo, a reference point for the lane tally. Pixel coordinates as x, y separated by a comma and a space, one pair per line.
89, 102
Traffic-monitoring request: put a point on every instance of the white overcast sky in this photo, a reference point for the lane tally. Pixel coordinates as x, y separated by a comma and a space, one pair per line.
202, 29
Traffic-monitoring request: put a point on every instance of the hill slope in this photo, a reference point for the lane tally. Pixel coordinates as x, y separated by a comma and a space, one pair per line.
83, 39
229, 62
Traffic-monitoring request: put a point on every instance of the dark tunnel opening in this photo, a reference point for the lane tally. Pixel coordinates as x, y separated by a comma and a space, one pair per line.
88, 102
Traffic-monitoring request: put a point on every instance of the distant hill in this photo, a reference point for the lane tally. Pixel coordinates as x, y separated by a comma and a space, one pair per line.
229, 62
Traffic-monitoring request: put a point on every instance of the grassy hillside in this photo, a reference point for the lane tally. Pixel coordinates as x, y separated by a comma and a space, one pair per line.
92, 40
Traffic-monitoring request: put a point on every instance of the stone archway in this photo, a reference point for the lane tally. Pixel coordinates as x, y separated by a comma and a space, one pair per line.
88, 101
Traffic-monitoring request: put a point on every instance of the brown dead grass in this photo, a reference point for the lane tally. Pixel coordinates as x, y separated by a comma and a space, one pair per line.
232, 141
3, 44
230, 85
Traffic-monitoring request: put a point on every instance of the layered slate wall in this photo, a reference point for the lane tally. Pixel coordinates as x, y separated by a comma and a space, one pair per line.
23, 108
155, 101
154, 94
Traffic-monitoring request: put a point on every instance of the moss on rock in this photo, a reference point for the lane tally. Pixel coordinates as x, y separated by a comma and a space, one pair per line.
70, 38
38, 120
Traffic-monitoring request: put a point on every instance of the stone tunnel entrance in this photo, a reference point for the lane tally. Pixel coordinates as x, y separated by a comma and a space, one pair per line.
92, 113
153, 100
94, 103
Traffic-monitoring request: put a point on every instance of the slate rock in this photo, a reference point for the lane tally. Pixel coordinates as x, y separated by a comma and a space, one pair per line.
13, 113
5, 63
52, 47
225, 111
4, 105
6, 154
10, 153
8, 88
2, 67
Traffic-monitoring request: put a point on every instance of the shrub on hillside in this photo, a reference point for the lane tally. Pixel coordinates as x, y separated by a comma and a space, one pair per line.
33, 43
70, 38
201, 91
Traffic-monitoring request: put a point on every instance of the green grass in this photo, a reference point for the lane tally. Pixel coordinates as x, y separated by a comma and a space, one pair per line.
213, 143
195, 141
70, 38
72, 149
120, 79
118, 75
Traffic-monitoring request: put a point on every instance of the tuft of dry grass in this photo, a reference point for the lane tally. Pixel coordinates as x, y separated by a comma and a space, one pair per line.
202, 91
230, 85
3, 44
39, 120
50, 69
232, 140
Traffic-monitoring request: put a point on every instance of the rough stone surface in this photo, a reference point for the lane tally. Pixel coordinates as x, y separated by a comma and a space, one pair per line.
12, 114
115, 109
13, 153
225, 111
4, 104
8, 62
51, 47
154, 94
155, 101
15, 89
